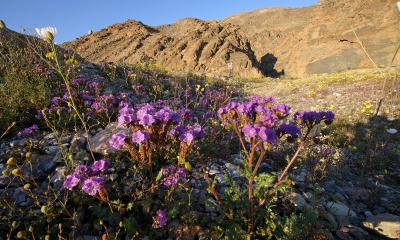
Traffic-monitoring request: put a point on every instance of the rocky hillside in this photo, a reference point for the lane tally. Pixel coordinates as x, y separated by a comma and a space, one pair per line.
296, 42
187, 45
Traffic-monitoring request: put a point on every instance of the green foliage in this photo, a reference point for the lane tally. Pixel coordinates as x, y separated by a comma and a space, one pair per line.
26, 85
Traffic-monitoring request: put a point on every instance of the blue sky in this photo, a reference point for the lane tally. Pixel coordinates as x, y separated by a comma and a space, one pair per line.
74, 18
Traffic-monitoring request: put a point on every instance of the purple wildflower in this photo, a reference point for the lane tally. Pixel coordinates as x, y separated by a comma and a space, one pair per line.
146, 120
140, 136
71, 181
160, 220
290, 129
249, 131
328, 116
268, 120
92, 185
172, 175
117, 140
126, 115
81, 171
100, 166
187, 137
28, 131
267, 135
281, 110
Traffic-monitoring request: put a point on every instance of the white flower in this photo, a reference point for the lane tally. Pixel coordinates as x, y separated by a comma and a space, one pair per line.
47, 33
391, 131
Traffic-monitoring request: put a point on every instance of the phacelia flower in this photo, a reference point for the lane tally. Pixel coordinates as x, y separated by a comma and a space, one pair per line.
126, 115
172, 175
28, 131
160, 220
281, 110
71, 181
187, 137
81, 171
249, 131
92, 185
139, 137
267, 135
289, 129
117, 140
327, 116
100, 166
146, 119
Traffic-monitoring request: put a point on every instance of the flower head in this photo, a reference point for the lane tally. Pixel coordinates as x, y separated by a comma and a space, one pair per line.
140, 136
117, 140
281, 110
71, 181
81, 171
250, 131
267, 135
126, 115
47, 33
289, 129
92, 185
100, 166
160, 220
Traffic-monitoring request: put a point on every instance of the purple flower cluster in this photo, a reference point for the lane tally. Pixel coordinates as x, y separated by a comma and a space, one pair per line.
147, 115
259, 119
160, 219
172, 175
150, 120
87, 96
293, 131
263, 134
187, 134
312, 118
86, 177
28, 131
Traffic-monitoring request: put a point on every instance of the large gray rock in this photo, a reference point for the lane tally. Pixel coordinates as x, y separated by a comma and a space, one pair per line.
385, 224
99, 142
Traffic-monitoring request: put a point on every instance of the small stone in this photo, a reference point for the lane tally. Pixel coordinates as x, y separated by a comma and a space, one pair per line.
213, 172
391, 131
211, 205
385, 224
339, 209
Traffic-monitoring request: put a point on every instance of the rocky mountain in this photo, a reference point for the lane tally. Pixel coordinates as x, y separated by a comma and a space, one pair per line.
333, 35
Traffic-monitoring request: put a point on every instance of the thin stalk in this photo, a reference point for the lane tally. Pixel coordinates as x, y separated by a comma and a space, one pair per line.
74, 106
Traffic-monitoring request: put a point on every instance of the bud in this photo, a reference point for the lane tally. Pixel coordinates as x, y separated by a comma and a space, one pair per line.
11, 161
6, 172
2, 24
121, 224
30, 229
47, 237
14, 224
21, 234
44, 209
28, 155
16, 172
27, 186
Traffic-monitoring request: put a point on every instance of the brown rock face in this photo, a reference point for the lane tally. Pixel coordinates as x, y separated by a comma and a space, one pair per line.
295, 42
